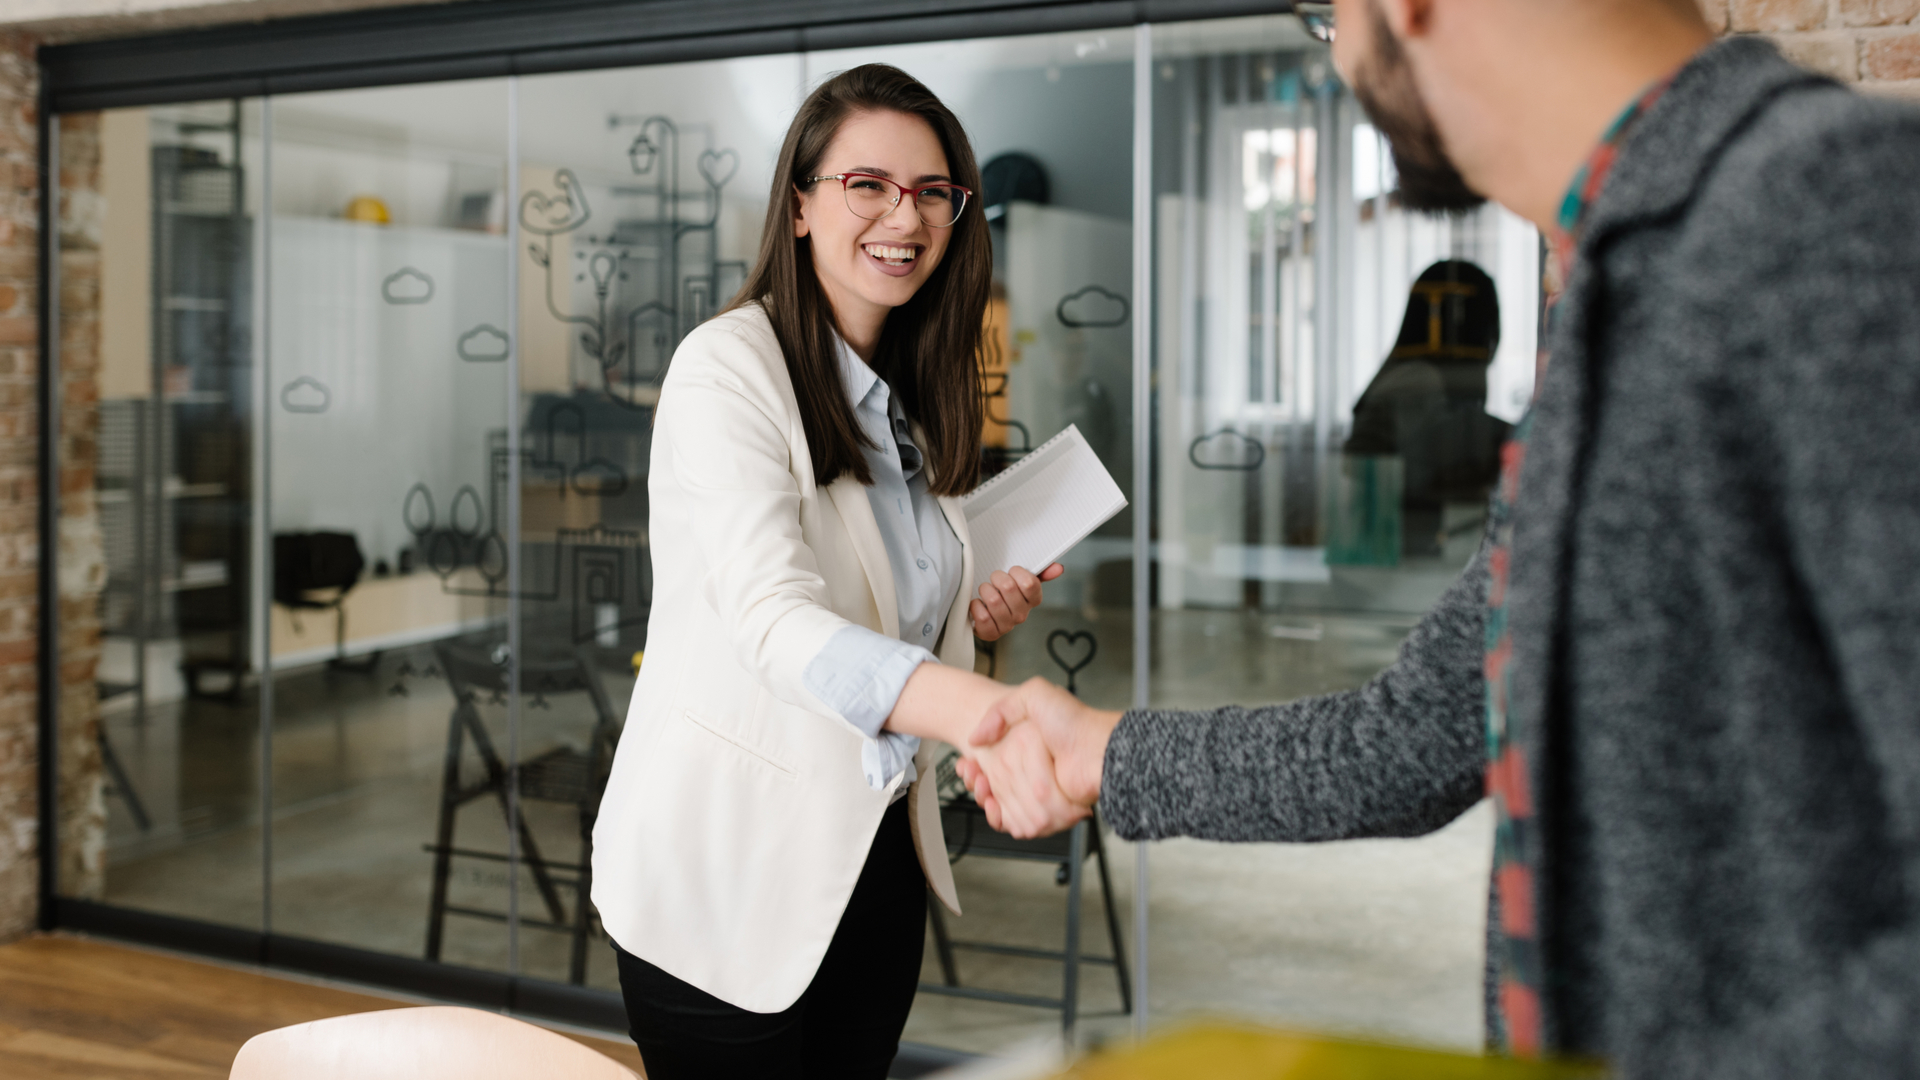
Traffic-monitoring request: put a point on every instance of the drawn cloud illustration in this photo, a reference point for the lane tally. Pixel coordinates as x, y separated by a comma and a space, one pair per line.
1092, 306
1226, 450
485, 343
305, 395
407, 286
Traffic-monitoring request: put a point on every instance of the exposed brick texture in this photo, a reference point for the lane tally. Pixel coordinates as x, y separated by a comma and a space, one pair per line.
19, 490
1875, 43
81, 566
1891, 56
1775, 15
1876, 12
82, 558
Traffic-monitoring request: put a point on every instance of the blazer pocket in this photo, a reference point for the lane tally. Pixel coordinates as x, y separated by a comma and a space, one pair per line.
742, 748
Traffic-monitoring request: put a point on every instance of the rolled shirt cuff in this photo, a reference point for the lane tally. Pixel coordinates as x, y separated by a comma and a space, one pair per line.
860, 674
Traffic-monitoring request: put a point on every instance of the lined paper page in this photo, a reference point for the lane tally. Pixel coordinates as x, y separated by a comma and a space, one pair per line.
1035, 512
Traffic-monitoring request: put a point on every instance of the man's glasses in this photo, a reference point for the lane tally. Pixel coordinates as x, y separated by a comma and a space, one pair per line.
1318, 19
874, 197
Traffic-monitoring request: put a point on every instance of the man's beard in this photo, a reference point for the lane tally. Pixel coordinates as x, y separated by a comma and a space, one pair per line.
1383, 82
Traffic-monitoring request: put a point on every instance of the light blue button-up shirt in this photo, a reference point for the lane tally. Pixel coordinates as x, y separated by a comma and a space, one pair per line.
860, 672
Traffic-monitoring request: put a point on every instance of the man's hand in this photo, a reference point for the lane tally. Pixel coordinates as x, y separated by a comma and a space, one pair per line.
1015, 783
1006, 598
1039, 720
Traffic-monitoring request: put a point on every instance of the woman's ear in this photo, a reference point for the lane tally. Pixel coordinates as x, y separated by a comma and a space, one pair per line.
800, 228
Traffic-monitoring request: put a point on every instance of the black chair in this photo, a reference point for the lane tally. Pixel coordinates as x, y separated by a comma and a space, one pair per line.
967, 833
565, 775
328, 563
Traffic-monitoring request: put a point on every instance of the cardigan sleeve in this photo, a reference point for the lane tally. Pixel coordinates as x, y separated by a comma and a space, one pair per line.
1400, 756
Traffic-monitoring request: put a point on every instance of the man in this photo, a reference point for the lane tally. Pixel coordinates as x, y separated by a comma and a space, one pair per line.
1686, 665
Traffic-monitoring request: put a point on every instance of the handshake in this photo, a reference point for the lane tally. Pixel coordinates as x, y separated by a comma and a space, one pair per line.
1034, 761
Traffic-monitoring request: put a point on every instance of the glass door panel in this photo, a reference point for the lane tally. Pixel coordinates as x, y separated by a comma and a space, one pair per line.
392, 743
643, 193
1329, 409
1051, 122
160, 797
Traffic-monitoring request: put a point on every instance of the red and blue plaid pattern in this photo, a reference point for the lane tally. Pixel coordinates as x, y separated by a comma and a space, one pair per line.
1521, 1027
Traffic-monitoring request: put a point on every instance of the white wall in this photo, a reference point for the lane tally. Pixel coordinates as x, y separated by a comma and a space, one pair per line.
402, 406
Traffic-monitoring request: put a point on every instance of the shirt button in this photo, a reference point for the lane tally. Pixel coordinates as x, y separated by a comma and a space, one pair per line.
922, 563
927, 629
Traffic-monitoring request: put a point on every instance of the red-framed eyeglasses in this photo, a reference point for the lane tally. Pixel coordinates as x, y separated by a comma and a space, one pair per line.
874, 197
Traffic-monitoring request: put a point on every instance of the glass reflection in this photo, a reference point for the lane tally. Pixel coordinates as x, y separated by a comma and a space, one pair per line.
1323, 416
1327, 419
641, 207
159, 781
387, 395
1051, 120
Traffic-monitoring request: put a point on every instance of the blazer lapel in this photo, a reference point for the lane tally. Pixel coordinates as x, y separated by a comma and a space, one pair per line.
958, 619
850, 498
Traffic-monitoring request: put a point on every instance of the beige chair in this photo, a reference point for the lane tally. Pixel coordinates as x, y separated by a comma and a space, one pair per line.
435, 1043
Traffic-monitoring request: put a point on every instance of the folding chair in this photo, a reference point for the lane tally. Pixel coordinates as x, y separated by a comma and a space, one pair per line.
564, 774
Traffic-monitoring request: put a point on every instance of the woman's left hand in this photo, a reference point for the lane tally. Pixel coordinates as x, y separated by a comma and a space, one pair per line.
1006, 598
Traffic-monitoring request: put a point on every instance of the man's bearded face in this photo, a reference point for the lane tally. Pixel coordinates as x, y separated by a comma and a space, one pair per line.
1384, 84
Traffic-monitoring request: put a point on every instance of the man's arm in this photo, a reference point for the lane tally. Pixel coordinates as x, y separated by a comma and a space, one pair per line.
1401, 756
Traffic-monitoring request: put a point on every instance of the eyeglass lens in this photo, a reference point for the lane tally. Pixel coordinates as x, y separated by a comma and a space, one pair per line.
1318, 19
873, 198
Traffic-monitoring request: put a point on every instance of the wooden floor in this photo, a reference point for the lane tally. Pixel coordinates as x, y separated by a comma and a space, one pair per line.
72, 1008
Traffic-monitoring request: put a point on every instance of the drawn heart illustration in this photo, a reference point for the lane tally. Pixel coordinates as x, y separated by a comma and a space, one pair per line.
719, 167
1072, 638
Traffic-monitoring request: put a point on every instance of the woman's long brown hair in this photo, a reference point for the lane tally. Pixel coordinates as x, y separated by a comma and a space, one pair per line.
929, 350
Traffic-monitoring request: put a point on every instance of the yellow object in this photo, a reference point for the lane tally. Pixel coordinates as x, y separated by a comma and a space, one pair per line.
1223, 1052
638, 656
367, 208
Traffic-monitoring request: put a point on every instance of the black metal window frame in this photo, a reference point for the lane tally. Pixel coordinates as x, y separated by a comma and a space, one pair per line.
468, 39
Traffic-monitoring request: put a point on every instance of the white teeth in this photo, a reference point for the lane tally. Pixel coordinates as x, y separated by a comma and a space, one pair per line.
889, 253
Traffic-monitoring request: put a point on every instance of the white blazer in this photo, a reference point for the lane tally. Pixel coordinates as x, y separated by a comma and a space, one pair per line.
737, 818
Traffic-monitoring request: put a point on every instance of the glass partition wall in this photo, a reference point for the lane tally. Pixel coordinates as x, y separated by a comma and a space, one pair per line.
1329, 408
366, 380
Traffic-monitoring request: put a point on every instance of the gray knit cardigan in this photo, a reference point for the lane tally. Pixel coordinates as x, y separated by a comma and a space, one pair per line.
1715, 605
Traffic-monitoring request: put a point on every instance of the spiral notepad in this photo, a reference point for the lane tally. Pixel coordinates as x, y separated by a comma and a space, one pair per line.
1035, 512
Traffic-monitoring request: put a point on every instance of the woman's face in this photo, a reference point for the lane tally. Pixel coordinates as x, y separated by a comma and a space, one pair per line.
868, 268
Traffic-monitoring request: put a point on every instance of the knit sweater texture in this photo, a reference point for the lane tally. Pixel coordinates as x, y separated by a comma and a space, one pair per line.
1715, 600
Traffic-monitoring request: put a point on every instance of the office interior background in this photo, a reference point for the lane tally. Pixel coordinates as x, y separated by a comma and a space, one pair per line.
345, 376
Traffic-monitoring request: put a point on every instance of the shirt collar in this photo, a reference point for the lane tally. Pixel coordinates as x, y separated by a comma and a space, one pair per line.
858, 377
1593, 175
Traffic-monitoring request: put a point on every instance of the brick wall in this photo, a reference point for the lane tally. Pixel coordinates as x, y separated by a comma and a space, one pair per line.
1872, 43
82, 809
19, 556
82, 561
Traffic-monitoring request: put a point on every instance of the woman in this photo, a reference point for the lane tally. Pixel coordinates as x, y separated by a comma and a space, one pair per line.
764, 850
1427, 403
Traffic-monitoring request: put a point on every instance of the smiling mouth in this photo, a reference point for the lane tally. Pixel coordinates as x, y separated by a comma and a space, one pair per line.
891, 254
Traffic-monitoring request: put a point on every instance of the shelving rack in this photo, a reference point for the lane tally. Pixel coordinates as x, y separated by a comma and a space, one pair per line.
175, 498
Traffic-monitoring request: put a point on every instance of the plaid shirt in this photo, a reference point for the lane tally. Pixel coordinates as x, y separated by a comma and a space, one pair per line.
1520, 1026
